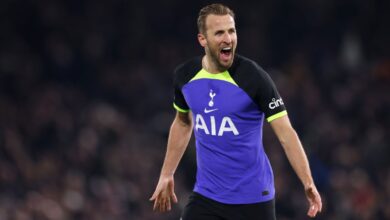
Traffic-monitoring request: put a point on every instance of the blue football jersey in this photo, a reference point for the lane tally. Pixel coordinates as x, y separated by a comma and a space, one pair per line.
228, 111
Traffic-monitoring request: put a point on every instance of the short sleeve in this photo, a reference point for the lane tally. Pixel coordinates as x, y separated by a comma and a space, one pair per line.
268, 98
179, 102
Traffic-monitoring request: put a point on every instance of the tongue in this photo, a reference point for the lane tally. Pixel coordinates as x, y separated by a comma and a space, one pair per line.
225, 56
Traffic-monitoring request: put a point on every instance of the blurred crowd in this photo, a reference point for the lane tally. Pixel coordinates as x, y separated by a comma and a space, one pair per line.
86, 103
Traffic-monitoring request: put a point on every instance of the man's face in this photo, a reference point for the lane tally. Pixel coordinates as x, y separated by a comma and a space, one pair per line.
220, 40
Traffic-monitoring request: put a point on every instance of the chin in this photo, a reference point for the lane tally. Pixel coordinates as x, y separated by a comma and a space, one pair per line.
226, 65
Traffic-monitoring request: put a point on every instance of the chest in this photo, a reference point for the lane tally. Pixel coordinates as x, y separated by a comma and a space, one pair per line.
218, 97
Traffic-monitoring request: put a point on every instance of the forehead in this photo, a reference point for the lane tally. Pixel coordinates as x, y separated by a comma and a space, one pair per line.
217, 22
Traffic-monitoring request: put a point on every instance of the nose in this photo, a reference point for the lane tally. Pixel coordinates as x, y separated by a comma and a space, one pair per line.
227, 38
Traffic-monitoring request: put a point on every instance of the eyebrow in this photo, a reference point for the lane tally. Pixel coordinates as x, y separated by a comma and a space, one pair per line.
221, 30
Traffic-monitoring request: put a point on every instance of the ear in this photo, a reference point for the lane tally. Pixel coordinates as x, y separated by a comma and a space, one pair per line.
202, 40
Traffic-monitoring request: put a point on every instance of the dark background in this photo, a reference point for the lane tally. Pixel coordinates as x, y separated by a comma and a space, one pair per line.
86, 103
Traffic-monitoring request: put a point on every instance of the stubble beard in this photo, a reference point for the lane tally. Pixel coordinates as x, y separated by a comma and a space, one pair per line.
221, 67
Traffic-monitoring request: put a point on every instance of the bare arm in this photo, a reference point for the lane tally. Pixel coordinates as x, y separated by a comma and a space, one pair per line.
179, 136
298, 160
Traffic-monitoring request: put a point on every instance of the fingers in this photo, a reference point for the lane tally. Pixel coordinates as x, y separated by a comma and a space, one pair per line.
168, 204
313, 210
162, 200
162, 204
172, 192
153, 196
315, 205
314, 200
156, 193
155, 205
319, 202
157, 199
163, 196
165, 205
174, 198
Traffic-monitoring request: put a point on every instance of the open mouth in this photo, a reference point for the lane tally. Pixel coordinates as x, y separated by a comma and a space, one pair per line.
226, 53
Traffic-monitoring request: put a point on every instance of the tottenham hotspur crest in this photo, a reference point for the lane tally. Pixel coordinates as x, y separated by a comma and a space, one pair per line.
211, 94
211, 103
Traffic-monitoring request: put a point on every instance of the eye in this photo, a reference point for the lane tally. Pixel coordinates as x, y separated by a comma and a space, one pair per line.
232, 31
219, 33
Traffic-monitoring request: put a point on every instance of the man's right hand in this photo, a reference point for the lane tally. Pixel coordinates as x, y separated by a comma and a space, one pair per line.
164, 194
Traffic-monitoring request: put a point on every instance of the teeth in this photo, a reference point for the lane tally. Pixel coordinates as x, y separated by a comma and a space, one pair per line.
227, 48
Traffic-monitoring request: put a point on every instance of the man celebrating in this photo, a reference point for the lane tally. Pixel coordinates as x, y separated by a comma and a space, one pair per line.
229, 96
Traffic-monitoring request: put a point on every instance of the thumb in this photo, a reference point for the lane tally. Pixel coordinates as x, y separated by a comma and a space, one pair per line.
155, 194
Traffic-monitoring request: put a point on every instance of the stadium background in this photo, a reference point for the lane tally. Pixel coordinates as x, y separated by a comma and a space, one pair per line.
86, 103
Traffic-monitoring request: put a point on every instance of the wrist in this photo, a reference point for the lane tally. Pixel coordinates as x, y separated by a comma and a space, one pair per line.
308, 184
167, 174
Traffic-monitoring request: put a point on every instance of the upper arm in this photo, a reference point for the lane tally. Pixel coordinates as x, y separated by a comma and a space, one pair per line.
282, 128
184, 119
281, 124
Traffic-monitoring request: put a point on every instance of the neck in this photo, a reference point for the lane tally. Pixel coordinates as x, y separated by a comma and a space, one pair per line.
210, 66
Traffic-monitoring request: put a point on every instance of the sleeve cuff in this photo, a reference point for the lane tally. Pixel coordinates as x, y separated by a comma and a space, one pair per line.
180, 109
277, 115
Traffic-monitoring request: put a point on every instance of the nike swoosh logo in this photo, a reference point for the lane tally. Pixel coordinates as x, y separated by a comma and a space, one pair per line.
209, 110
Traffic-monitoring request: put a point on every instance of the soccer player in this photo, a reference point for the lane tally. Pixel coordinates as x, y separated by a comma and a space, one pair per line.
224, 98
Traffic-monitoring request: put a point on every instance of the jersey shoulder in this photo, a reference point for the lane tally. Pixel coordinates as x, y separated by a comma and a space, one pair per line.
187, 70
259, 86
247, 67
248, 75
